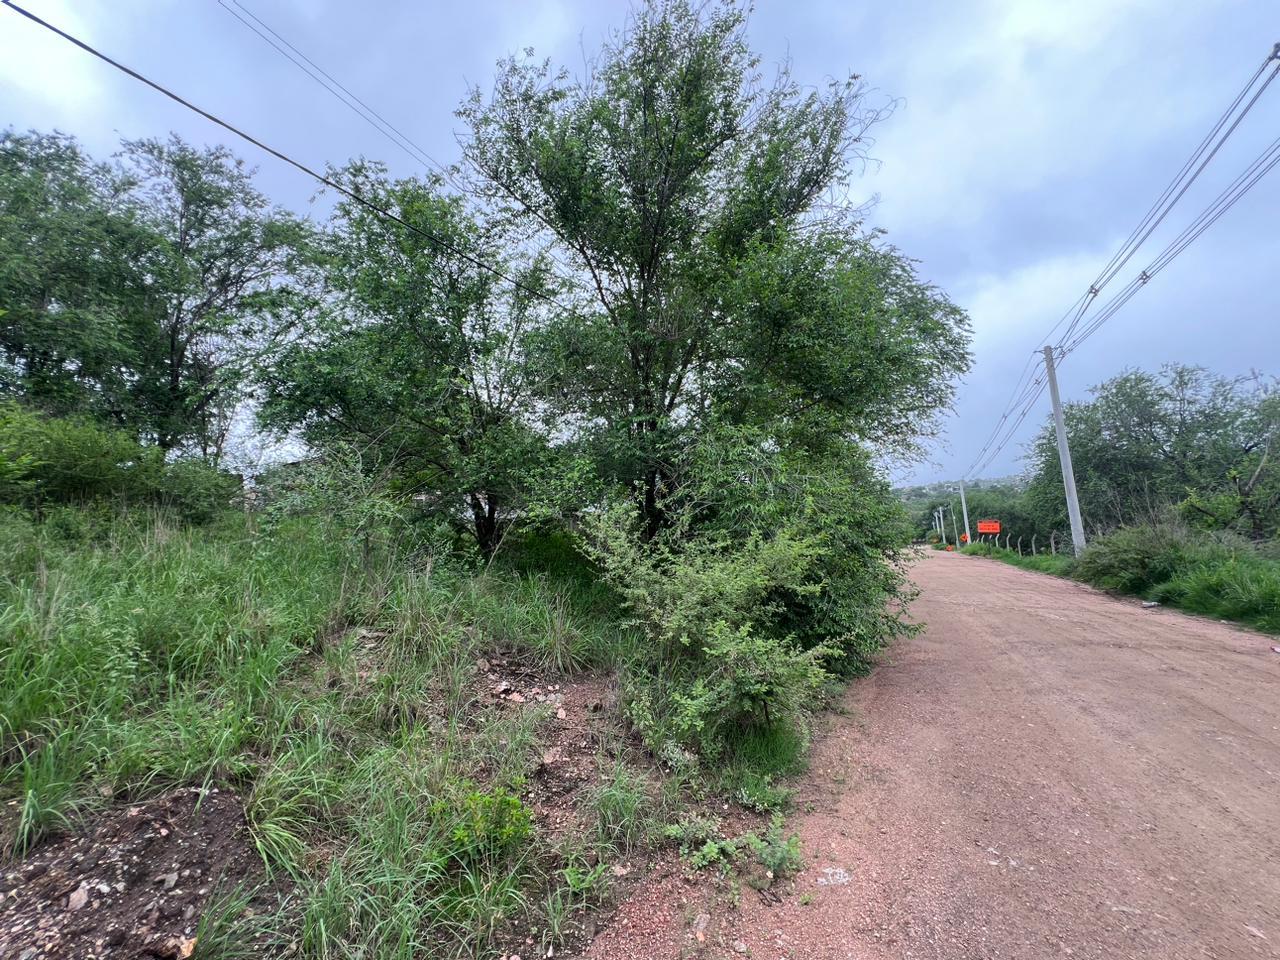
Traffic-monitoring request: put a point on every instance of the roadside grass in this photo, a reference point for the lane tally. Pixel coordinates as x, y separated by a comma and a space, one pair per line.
332, 689
1058, 564
1218, 575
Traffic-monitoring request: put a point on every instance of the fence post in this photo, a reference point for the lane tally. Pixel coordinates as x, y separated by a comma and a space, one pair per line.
1033, 544
1053, 542
1019, 546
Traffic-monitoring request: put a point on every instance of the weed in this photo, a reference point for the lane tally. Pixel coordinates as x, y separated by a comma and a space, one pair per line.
228, 930
50, 792
620, 804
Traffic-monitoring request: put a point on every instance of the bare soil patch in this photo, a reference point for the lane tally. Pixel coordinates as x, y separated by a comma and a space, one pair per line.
132, 886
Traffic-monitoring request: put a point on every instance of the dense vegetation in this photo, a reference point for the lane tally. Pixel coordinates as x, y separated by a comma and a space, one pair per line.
615, 409
1179, 486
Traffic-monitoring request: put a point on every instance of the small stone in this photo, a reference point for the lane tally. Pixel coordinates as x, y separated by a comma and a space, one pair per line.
79, 897
104, 888
516, 697
168, 880
560, 714
700, 927
113, 937
483, 665
739, 947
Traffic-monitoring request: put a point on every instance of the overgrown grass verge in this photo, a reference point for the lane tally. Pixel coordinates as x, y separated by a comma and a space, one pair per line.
331, 685
1218, 575
1058, 564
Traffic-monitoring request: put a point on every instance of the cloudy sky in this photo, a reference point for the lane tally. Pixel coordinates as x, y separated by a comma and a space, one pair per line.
1029, 138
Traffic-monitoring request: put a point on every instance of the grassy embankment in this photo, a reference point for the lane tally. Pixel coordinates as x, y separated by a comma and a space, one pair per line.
334, 686
139, 654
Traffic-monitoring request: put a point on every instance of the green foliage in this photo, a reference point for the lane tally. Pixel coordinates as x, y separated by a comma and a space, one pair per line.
1221, 575
487, 825
621, 803
417, 356
778, 853
136, 654
1062, 564
774, 569
775, 854
55, 460
689, 193
126, 286
1133, 559
229, 929
1183, 437
710, 669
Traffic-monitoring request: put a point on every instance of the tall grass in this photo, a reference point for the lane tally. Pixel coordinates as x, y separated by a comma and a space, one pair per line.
332, 688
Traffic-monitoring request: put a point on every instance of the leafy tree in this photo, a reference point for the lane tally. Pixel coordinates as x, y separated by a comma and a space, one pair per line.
1149, 441
689, 195
219, 268
418, 352
72, 294
135, 293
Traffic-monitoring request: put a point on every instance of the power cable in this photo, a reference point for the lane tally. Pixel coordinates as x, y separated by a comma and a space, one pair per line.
280, 155
1178, 187
1191, 169
1228, 198
351, 101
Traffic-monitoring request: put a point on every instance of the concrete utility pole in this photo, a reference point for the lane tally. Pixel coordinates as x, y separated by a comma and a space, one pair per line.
955, 534
964, 505
1064, 457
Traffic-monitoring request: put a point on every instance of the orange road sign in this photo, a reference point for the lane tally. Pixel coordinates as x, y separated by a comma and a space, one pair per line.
988, 526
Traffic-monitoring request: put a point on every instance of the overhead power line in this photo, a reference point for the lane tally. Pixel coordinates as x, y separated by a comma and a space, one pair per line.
1228, 198
1182, 181
1021, 399
351, 101
336, 88
438, 241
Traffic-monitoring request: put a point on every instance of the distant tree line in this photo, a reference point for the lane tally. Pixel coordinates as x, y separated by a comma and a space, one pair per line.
1182, 443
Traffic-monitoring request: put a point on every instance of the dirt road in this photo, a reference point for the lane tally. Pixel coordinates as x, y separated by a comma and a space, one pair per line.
1044, 772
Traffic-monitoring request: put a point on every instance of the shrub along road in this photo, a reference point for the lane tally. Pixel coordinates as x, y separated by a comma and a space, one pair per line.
1045, 771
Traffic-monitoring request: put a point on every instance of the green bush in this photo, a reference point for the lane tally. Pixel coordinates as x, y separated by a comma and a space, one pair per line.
1218, 574
1133, 559
72, 460
711, 670
488, 825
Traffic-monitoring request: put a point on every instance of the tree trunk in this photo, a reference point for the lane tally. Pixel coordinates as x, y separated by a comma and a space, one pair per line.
484, 514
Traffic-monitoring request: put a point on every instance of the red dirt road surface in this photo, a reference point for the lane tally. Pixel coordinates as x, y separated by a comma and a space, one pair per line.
1045, 771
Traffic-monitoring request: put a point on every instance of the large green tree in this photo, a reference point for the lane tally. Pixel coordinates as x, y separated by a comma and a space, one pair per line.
417, 352
73, 296
694, 202
137, 292
1183, 436
221, 272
